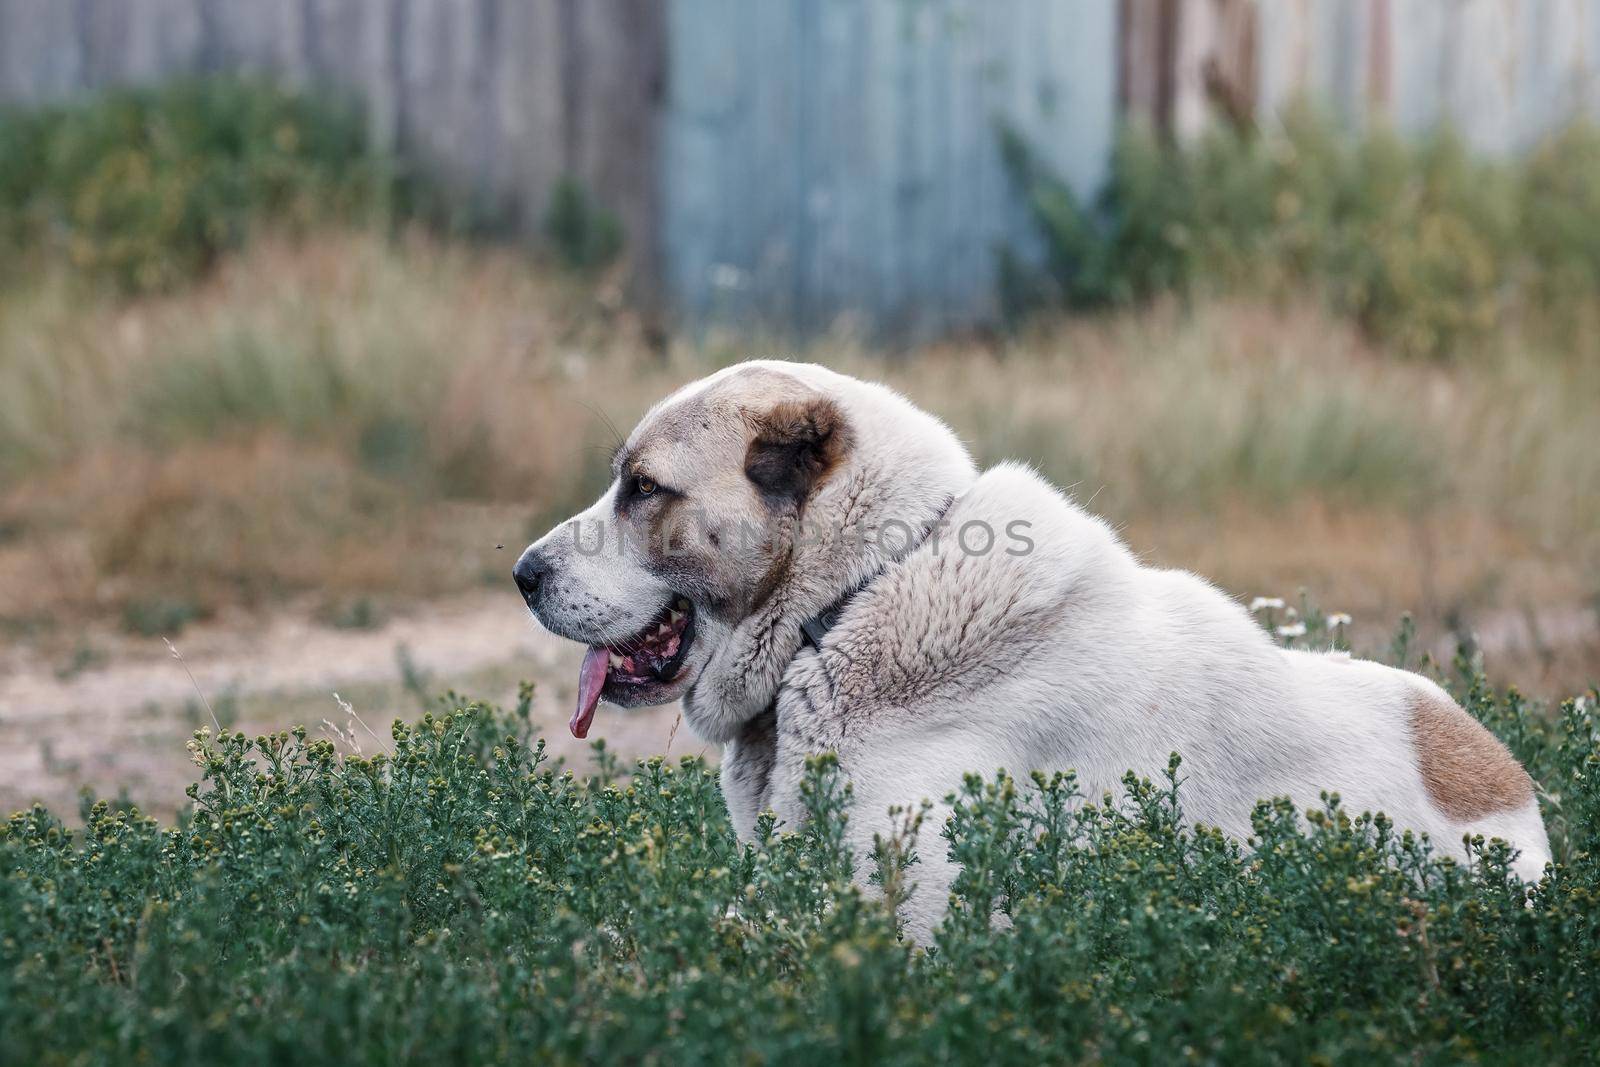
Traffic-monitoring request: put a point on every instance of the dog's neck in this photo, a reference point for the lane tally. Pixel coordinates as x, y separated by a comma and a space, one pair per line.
856, 528
815, 629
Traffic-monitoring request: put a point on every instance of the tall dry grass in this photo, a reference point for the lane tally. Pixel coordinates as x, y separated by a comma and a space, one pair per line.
300, 421
353, 416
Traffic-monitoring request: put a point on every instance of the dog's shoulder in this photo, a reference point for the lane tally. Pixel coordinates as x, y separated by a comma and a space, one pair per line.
1010, 547
983, 592
1014, 497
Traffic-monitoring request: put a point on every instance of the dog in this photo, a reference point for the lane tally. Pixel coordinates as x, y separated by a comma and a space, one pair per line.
813, 564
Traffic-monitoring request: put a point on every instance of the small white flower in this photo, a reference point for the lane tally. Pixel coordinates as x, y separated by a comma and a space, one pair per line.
1262, 603
1296, 629
1338, 618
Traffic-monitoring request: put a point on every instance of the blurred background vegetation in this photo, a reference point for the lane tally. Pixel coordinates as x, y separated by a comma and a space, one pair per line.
251, 367
1425, 247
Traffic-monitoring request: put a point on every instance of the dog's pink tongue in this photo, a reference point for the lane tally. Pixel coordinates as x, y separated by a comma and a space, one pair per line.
591, 679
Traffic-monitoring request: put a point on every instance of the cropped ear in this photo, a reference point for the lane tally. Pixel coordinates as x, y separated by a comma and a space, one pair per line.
796, 444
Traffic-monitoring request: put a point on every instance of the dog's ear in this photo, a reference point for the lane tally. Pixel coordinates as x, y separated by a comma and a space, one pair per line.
796, 444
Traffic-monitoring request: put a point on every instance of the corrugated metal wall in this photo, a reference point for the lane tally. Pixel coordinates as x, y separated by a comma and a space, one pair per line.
796, 164
830, 160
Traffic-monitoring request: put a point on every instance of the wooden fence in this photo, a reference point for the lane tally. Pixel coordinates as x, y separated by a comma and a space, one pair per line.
502, 98
796, 164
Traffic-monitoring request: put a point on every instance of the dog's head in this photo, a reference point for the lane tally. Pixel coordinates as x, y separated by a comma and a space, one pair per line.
739, 506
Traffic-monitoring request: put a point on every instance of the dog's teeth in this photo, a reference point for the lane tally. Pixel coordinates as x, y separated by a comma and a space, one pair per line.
614, 660
675, 616
683, 605
663, 630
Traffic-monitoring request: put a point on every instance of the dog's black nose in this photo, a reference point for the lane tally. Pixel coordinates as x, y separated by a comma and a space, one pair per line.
530, 570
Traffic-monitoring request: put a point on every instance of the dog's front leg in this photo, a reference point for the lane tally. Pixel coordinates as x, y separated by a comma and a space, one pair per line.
927, 882
809, 723
747, 764
806, 724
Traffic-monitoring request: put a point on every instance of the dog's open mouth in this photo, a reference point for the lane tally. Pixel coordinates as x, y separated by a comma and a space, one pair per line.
649, 658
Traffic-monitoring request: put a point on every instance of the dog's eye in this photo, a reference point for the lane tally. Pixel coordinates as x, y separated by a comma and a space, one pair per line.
643, 486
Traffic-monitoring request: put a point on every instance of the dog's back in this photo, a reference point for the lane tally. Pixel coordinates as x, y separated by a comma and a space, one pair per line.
1075, 656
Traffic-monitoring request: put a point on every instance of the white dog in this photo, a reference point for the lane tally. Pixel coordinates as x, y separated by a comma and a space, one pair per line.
814, 564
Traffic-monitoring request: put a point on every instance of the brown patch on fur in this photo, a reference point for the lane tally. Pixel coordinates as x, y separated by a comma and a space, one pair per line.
1467, 771
797, 444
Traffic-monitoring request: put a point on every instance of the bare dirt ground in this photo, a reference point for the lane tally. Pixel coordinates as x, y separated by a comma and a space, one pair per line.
118, 724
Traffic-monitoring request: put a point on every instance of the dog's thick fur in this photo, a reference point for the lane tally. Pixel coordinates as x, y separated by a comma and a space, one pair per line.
1050, 650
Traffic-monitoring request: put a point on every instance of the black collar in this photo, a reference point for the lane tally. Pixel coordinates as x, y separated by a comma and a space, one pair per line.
814, 629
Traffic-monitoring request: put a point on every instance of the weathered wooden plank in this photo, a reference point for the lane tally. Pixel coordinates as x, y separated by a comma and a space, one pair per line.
1504, 74
124, 43
526, 89
347, 44
1147, 31
500, 97
622, 71
41, 51
246, 35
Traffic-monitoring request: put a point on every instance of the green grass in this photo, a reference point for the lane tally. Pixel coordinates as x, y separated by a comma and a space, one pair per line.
147, 187
1424, 244
582, 233
158, 618
450, 897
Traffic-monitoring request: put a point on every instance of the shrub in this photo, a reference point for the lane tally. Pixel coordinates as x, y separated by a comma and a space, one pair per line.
452, 897
584, 234
1425, 245
147, 186
1562, 218
159, 617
